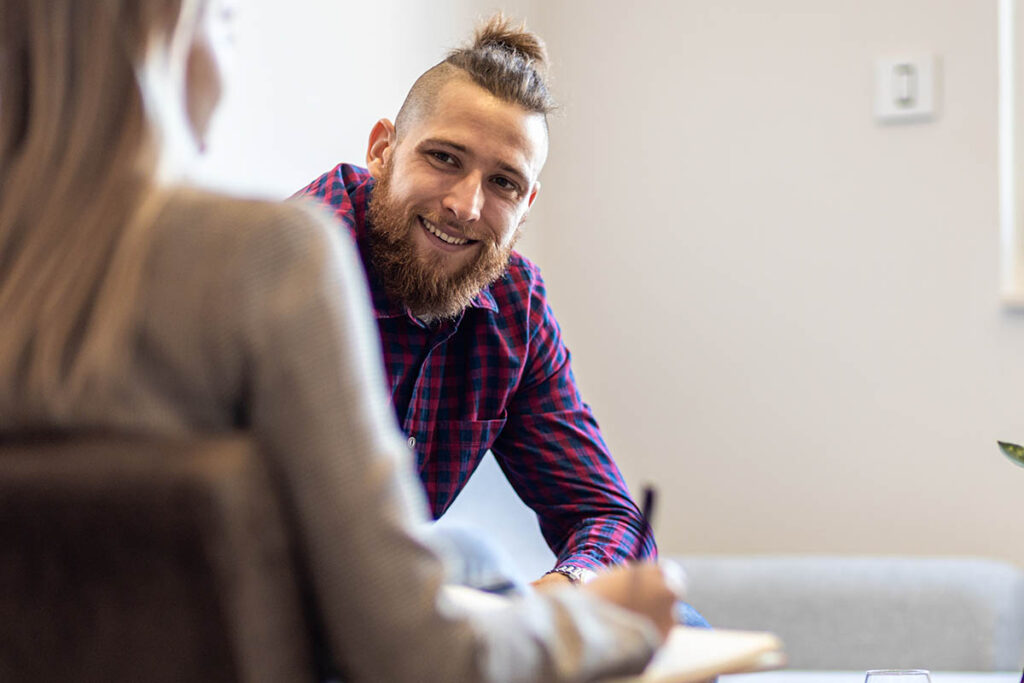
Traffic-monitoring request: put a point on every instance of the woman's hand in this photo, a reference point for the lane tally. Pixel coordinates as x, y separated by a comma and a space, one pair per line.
648, 589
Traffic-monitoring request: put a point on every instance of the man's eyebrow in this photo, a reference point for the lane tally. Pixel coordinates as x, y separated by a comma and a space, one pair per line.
444, 143
503, 165
514, 171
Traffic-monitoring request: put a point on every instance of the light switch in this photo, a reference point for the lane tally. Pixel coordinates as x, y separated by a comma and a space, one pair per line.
905, 89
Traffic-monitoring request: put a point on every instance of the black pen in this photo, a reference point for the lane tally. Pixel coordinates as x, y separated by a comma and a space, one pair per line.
646, 510
646, 514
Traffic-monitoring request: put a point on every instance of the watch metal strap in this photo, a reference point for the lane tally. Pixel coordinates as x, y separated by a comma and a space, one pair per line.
576, 575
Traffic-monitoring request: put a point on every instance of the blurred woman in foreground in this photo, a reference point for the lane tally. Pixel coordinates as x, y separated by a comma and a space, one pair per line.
130, 301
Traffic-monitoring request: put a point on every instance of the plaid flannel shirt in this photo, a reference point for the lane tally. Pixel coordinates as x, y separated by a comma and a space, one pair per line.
498, 378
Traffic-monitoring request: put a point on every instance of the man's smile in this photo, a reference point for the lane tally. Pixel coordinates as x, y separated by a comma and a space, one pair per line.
444, 239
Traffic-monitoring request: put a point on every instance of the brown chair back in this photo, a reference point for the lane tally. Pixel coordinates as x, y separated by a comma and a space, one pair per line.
131, 558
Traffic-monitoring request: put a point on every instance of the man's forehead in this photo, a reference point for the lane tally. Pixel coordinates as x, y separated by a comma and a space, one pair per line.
478, 122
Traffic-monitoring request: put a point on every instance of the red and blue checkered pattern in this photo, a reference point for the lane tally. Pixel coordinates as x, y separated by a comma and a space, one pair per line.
499, 378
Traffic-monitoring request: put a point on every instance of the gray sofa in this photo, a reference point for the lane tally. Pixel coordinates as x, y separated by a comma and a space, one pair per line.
858, 613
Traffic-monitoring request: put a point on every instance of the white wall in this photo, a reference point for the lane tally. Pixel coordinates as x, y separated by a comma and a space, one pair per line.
783, 313
310, 77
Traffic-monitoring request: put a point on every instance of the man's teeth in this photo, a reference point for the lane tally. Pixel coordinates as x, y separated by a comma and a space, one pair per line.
434, 230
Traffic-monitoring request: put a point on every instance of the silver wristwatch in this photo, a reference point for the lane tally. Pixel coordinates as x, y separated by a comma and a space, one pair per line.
576, 575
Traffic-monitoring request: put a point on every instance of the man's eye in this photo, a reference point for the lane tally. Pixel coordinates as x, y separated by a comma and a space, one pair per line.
443, 157
504, 183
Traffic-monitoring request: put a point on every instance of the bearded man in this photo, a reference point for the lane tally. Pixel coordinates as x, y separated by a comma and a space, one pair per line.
473, 353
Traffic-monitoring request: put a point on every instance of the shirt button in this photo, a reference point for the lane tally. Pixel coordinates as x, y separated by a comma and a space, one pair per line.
412, 442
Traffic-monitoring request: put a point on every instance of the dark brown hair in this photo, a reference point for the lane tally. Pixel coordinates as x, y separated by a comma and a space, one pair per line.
504, 59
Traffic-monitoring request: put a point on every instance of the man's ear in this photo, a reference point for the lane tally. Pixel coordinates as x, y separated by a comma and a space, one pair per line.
529, 202
380, 147
533, 194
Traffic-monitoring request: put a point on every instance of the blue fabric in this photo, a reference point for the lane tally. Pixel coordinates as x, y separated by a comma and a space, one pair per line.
688, 616
473, 560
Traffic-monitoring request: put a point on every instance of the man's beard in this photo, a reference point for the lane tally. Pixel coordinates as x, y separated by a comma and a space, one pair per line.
422, 284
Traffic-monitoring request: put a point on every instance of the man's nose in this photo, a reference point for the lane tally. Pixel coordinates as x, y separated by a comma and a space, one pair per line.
465, 198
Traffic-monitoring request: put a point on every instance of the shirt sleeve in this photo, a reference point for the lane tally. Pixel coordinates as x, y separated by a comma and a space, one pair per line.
319, 410
553, 454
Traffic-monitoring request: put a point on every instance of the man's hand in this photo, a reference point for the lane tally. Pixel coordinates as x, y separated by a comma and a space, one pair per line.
642, 588
551, 581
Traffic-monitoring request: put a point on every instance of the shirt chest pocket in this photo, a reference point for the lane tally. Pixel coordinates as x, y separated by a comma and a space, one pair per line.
450, 453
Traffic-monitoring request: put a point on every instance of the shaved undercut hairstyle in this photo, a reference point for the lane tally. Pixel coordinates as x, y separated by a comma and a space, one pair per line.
505, 59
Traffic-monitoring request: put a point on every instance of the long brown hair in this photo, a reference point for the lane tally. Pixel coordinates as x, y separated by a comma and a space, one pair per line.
86, 89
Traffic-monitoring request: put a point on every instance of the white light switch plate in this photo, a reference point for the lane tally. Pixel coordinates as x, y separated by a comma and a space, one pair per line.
905, 88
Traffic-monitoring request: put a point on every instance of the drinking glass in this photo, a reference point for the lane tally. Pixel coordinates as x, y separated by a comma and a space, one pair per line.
897, 676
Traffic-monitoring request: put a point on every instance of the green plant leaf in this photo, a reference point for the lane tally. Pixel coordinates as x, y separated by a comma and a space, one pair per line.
1013, 452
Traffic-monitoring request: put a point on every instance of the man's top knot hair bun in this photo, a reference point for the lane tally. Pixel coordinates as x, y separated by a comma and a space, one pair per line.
504, 59
509, 61
502, 34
